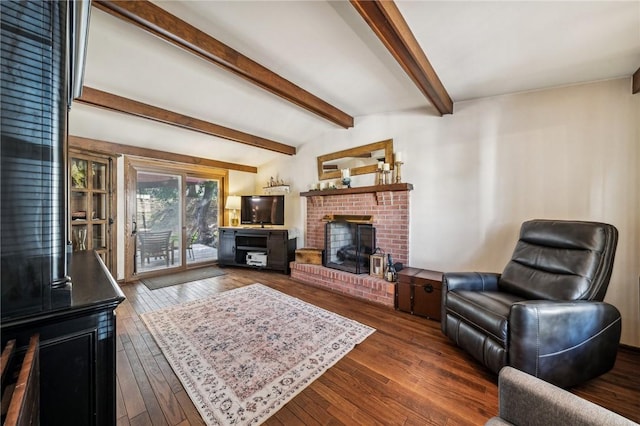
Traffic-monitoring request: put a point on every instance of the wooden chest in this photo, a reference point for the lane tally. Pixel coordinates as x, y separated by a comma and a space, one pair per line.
418, 292
311, 256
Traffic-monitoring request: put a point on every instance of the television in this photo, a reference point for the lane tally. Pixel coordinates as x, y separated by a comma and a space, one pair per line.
262, 210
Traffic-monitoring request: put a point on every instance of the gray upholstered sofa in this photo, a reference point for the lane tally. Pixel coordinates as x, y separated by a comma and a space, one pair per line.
525, 400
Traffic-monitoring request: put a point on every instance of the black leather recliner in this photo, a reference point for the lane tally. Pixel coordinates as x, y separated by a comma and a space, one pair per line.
544, 314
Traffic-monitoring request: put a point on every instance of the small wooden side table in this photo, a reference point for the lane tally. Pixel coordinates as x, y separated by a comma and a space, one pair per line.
418, 291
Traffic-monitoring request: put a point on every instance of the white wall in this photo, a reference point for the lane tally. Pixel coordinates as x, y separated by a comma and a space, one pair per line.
289, 171
564, 153
241, 183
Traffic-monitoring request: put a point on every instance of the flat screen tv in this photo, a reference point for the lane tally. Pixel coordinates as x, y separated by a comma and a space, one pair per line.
262, 210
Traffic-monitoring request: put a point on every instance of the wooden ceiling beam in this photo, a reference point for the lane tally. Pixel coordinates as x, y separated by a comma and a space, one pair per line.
116, 148
161, 23
387, 22
98, 98
635, 82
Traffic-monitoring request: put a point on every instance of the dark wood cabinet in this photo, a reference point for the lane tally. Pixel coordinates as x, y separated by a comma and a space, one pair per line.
67, 300
226, 247
274, 244
77, 347
278, 250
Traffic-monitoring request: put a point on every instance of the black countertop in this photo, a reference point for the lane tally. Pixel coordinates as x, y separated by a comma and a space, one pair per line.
92, 288
91, 281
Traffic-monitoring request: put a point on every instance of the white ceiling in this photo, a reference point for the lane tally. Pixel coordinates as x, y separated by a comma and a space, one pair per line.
477, 48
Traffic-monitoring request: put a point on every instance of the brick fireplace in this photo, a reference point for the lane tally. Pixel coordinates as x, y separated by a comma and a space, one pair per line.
389, 207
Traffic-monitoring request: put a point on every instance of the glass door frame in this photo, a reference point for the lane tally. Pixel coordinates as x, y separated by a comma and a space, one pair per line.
135, 164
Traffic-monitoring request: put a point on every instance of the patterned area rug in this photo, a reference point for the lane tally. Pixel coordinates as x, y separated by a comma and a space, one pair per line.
242, 354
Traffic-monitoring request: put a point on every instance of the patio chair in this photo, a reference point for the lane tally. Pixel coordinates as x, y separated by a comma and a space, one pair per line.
156, 245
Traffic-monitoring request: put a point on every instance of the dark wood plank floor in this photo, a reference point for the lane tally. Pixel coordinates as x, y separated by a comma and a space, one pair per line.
407, 373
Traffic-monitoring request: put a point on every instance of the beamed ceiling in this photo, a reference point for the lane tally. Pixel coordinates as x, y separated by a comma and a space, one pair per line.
241, 83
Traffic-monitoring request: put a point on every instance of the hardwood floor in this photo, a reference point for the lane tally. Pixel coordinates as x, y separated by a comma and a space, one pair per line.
406, 373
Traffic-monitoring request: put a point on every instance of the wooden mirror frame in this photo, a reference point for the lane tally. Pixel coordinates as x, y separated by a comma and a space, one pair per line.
387, 145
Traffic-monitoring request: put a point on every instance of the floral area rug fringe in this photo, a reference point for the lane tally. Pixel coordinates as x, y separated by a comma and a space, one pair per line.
242, 354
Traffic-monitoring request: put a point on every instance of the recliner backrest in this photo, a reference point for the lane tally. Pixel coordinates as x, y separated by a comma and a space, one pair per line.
561, 260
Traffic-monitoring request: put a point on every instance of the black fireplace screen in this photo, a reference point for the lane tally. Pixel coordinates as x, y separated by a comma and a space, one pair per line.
348, 246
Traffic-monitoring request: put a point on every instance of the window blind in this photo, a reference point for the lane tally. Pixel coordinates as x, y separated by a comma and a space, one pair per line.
32, 128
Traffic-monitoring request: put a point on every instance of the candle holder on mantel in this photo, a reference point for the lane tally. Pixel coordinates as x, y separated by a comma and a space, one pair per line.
399, 171
386, 179
386, 174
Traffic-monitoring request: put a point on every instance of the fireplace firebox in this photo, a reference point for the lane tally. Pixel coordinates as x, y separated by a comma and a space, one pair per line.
348, 246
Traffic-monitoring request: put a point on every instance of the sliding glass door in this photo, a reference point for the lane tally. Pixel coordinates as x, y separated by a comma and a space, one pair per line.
173, 214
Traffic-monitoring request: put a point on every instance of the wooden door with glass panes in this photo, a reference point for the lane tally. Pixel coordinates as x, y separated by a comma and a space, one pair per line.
92, 205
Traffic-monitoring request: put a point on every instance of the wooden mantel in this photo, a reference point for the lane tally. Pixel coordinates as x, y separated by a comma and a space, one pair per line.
359, 190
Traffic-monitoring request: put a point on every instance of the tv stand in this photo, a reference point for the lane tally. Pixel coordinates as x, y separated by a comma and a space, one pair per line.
275, 244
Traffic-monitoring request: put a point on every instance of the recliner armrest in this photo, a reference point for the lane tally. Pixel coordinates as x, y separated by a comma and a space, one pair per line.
474, 281
547, 338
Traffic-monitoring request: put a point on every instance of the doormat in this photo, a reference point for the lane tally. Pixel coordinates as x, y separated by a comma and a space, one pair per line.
243, 354
181, 277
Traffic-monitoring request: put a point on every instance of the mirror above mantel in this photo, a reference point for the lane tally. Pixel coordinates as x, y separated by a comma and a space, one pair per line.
359, 160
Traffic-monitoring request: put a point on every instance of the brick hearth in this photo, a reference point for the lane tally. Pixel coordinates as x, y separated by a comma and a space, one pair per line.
362, 286
389, 207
